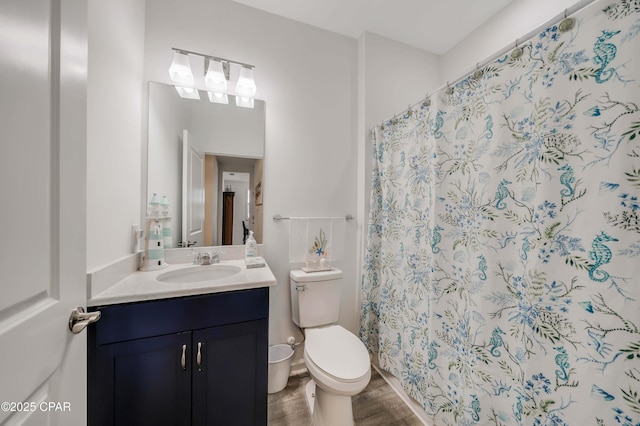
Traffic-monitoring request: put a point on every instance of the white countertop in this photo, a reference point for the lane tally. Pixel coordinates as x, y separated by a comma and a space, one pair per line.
140, 286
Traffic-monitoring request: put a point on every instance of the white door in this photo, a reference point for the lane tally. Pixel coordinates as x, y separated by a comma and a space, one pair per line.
240, 208
192, 191
43, 61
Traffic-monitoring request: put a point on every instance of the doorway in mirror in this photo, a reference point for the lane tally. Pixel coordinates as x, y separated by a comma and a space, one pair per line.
233, 186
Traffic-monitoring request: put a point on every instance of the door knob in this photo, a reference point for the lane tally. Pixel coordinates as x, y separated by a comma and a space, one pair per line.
79, 319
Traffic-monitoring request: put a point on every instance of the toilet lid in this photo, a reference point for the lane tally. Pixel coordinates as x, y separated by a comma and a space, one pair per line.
337, 351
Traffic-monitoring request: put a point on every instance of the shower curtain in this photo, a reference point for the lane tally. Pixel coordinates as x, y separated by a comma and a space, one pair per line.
501, 282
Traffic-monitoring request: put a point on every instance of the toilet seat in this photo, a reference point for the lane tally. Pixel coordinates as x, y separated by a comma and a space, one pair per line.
338, 353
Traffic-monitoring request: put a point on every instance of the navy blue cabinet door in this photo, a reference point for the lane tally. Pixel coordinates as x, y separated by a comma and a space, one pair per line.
136, 374
230, 382
143, 382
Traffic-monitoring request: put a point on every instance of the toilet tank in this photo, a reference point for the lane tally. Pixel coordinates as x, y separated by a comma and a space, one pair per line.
315, 297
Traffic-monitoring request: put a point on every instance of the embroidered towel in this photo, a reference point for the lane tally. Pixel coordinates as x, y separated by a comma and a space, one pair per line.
313, 238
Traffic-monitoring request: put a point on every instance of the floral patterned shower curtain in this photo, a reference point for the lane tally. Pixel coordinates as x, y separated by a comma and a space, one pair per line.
501, 283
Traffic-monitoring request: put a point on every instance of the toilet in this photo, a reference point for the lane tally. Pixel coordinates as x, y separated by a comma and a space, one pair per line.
336, 359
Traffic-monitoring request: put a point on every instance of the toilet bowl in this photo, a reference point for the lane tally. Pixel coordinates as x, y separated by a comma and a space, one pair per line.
338, 364
337, 361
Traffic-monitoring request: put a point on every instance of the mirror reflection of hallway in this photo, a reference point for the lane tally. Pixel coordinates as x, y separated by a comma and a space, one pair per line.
236, 207
233, 182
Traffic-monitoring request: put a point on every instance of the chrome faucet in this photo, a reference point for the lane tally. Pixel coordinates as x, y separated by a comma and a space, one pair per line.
206, 258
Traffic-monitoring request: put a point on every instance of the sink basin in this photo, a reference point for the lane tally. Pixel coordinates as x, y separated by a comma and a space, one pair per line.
194, 274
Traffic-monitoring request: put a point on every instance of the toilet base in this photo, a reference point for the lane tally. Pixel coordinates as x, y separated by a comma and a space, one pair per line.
328, 409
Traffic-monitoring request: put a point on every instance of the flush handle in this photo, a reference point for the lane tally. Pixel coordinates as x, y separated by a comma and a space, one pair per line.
79, 319
301, 287
199, 356
183, 359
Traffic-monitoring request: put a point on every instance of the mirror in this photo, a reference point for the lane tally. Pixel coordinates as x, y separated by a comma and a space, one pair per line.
207, 158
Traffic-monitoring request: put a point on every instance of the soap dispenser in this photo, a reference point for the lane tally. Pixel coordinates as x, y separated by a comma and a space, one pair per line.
250, 246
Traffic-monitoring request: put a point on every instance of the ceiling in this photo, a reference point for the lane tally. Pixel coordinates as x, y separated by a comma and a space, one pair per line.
432, 25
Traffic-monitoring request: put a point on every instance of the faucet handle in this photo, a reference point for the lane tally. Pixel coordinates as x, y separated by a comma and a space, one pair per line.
197, 258
215, 257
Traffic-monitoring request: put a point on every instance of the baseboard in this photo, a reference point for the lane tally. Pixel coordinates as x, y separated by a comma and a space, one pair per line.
298, 368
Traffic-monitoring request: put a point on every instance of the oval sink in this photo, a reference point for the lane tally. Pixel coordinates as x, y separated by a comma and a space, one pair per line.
194, 274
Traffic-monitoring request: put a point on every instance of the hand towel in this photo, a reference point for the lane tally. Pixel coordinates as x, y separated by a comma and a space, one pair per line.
311, 239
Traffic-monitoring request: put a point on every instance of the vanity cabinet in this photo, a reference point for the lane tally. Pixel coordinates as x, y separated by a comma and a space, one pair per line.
198, 360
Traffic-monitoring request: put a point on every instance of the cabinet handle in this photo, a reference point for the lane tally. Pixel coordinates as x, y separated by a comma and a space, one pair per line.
183, 360
199, 356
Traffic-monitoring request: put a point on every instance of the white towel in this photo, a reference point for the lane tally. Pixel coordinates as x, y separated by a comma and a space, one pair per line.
298, 229
313, 238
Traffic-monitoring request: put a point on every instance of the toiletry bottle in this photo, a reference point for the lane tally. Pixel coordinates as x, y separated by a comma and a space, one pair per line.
251, 246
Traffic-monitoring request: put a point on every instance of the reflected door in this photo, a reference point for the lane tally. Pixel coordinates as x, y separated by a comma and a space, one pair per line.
192, 192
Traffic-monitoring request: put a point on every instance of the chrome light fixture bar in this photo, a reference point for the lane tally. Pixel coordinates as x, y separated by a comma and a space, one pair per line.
216, 76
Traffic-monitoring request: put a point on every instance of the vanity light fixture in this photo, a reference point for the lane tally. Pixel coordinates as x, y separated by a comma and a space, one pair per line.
180, 69
218, 98
188, 92
216, 77
246, 85
244, 101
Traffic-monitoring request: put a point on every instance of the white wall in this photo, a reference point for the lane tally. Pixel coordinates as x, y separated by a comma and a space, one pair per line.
114, 127
227, 129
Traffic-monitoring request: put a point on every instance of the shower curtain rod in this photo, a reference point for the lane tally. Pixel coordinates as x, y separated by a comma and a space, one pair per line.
565, 14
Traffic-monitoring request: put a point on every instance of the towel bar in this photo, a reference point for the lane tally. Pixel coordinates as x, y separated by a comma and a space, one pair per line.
278, 218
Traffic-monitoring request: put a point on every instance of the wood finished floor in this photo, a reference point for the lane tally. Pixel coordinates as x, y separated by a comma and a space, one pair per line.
377, 405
